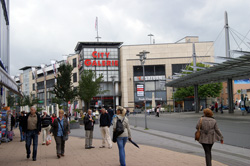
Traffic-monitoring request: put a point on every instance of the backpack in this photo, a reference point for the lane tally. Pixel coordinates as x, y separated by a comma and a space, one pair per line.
119, 126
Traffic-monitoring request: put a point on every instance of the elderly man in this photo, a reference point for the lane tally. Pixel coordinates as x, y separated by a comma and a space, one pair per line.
46, 122
89, 127
32, 128
104, 126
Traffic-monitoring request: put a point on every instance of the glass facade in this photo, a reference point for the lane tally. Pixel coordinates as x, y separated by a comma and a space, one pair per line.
105, 61
154, 76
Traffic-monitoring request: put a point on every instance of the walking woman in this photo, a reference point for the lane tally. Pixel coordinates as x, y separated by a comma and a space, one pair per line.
60, 129
122, 139
210, 133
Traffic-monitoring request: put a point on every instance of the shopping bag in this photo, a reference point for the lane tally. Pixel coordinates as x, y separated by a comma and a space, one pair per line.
48, 140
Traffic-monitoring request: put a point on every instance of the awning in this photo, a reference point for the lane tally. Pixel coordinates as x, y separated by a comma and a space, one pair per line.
8, 82
233, 68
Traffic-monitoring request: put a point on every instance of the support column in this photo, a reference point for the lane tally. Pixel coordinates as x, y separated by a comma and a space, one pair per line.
230, 96
196, 99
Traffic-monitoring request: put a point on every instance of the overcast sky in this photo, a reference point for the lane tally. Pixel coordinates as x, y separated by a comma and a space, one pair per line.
41, 30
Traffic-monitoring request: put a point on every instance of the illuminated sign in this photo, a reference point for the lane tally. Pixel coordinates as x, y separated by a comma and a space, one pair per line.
102, 62
140, 90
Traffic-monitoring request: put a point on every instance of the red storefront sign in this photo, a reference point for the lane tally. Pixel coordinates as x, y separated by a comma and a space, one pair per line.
101, 55
104, 98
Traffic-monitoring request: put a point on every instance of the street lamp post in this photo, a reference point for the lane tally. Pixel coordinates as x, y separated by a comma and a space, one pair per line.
113, 81
143, 57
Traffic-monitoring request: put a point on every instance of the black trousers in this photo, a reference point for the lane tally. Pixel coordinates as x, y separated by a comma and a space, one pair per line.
207, 148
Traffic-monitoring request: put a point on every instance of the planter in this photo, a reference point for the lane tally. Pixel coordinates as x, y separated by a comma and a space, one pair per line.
75, 125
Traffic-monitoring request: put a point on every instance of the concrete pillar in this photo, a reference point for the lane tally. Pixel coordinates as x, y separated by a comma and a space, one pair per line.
230, 96
196, 99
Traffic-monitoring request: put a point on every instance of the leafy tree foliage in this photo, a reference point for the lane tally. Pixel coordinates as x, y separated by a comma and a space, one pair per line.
64, 89
89, 86
10, 101
206, 90
29, 100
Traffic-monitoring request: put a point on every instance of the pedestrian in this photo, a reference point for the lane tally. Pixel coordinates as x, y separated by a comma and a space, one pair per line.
122, 139
158, 111
21, 121
221, 108
17, 120
89, 127
53, 117
247, 104
210, 133
46, 122
60, 129
216, 107
104, 127
32, 128
111, 114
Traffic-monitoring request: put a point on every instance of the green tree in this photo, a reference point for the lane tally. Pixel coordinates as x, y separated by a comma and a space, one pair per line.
57, 101
29, 100
64, 89
89, 86
10, 101
206, 90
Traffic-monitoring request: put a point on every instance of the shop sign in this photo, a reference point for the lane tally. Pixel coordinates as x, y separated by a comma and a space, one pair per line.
149, 99
149, 78
140, 90
102, 56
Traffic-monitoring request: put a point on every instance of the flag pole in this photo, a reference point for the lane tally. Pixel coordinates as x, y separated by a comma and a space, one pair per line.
96, 28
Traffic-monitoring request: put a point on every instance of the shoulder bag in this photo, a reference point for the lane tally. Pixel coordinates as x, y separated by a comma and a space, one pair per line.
65, 135
198, 132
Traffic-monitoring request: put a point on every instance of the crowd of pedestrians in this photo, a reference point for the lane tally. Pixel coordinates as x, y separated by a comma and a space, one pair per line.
32, 124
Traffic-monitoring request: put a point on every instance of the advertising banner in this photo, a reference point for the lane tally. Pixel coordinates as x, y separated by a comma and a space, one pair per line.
140, 90
246, 81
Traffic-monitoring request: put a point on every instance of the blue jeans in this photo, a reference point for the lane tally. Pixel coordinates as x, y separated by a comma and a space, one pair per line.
121, 141
21, 133
32, 134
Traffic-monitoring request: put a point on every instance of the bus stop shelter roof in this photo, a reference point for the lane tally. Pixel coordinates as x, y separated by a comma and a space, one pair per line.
232, 68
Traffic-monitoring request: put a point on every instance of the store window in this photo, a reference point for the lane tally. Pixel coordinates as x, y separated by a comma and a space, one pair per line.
138, 71
34, 88
150, 86
149, 71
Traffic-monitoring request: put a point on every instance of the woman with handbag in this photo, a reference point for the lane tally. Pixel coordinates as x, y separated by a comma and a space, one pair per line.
209, 133
122, 138
60, 129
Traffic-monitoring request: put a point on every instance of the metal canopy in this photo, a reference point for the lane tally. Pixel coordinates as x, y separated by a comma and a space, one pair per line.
233, 68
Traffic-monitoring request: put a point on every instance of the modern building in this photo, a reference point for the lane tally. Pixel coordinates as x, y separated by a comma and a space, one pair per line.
162, 61
102, 58
120, 62
6, 82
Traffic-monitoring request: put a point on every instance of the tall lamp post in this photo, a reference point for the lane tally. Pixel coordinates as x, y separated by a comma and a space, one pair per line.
113, 81
143, 57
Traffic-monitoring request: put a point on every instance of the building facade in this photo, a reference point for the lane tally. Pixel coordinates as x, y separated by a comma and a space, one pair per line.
162, 62
102, 58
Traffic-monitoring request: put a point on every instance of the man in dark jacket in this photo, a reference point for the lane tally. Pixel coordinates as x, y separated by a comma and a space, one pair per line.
21, 119
89, 127
111, 114
104, 126
32, 128
46, 122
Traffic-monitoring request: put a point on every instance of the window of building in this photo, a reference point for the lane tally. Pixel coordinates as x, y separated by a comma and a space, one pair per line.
50, 83
149, 71
74, 77
150, 86
160, 70
74, 62
34, 87
138, 71
40, 85
50, 72
176, 68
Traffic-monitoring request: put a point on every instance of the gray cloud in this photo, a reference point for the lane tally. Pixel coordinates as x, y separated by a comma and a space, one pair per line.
48, 29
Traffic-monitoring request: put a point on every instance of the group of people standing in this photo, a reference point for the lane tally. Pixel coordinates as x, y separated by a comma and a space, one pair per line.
217, 107
108, 118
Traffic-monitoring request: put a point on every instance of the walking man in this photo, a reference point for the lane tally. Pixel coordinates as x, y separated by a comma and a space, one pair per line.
104, 126
32, 128
111, 114
46, 122
89, 127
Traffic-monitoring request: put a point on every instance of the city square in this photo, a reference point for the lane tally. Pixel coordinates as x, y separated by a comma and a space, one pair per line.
77, 85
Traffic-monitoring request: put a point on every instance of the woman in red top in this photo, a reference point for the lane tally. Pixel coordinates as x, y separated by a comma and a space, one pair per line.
53, 117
